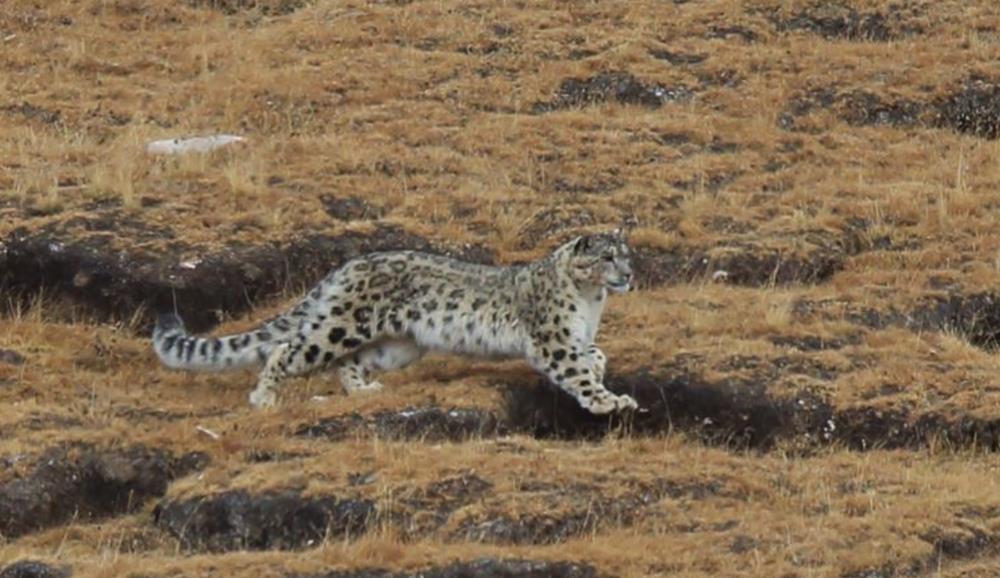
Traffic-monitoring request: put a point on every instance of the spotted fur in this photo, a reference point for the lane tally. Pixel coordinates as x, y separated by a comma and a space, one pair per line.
385, 310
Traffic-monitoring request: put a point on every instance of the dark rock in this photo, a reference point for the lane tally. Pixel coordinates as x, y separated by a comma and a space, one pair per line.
580, 53
336, 428
814, 343
975, 109
746, 34
33, 569
803, 104
678, 58
430, 508
482, 568
351, 208
964, 542
263, 456
90, 485
596, 187
502, 30
11, 357
742, 544
498, 528
868, 428
673, 139
32, 112
960, 543
621, 87
237, 520
865, 109
833, 21
719, 147
265, 7
976, 317
434, 424
725, 77
711, 183
425, 424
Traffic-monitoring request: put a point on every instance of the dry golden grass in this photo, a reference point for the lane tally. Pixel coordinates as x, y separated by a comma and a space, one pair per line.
426, 110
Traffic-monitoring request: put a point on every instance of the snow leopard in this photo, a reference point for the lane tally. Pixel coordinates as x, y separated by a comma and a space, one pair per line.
385, 310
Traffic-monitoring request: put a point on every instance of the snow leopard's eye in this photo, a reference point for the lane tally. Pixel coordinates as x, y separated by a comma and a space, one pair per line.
609, 257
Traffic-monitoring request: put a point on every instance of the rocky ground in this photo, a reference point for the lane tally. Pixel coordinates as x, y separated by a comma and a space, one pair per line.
814, 341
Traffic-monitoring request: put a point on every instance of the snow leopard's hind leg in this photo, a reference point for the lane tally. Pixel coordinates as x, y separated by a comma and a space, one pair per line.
387, 354
307, 352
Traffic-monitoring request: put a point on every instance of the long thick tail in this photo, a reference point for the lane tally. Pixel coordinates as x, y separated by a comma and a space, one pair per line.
179, 350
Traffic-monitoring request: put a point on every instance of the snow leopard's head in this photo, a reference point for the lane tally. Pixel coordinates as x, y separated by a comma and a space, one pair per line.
600, 260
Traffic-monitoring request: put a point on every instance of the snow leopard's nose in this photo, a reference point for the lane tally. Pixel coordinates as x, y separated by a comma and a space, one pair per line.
626, 271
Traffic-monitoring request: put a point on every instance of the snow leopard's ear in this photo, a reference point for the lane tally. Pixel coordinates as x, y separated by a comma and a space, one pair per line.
581, 244
628, 223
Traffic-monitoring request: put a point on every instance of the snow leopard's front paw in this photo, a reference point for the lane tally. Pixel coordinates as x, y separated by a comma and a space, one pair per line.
370, 387
606, 402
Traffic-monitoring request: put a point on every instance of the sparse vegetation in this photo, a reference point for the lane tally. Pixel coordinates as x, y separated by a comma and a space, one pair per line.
816, 341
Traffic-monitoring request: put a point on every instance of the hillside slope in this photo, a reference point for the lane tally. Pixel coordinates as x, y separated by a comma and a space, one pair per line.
814, 340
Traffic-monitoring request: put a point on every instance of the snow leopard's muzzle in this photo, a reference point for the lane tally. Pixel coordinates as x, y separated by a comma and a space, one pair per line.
619, 279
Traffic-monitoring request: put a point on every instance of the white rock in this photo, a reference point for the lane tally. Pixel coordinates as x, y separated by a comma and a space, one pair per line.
198, 144
206, 431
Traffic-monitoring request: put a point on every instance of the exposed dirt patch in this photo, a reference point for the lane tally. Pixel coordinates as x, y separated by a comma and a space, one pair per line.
742, 413
11, 357
115, 282
964, 542
34, 569
837, 21
428, 509
265, 7
351, 208
976, 317
678, 58
32, 112
974, 109
815, 343
483, 568
731, 413
425, 423
744, 265
736, 31
87, 484
573, 511
862, 108
237, 520
867, 428
858, 108
617, 86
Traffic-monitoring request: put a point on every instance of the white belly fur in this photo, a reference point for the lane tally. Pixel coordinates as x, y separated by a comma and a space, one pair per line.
509, 340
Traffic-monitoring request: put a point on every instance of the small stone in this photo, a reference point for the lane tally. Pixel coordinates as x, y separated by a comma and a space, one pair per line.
33, 569
11, 357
